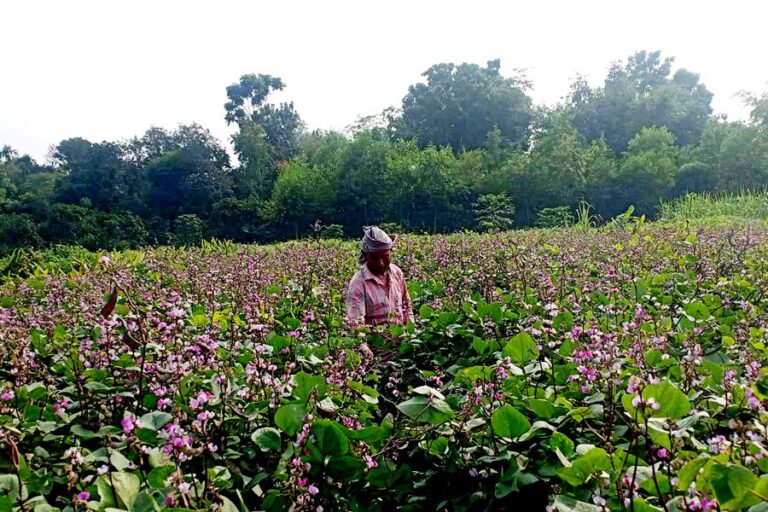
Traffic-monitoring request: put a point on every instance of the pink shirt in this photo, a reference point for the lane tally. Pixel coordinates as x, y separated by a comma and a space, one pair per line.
375, 300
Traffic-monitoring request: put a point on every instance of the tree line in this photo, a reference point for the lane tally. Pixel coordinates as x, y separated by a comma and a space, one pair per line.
466, 149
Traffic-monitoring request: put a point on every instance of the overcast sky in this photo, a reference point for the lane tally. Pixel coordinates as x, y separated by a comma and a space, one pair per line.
110, 69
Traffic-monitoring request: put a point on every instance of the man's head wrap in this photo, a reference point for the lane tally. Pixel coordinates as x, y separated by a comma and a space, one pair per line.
375, 240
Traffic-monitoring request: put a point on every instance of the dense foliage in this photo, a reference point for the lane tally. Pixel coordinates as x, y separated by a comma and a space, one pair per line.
467, 136
618, 368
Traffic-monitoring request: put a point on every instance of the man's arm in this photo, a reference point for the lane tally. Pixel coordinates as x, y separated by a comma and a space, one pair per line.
355, 302
407, 307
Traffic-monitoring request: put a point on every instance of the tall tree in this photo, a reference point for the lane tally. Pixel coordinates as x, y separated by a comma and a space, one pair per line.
648, 173
248, 104
641, 94
460, 104
95, 173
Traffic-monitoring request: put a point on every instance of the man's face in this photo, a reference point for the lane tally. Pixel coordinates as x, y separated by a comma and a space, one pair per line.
378, 262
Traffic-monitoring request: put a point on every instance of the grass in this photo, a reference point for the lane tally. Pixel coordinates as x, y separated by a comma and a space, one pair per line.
748, 204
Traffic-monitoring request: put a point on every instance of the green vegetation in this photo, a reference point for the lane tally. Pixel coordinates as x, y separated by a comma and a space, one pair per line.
751, 205
617, 368
466, 135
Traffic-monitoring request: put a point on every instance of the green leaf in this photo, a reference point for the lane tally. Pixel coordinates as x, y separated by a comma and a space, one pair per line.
388, 475
305, 383
126, 488
159, 458
568, 504
426, 311
155, 420
267, 439
439, 447
372, 434
731, 484
542, 408
345, 468
426, 409
593, 461
290, 418
521, 348
159, 475
561, 442
9, 486
473, 373
330, 438
119, 461
563, 321
83, 433
508, 481
509, 422
697, 310
37, 391
674, 404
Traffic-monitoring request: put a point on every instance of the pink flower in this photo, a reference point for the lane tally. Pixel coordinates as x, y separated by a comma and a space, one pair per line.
661, 453
127, 424
313, 490
84, 496
7, 396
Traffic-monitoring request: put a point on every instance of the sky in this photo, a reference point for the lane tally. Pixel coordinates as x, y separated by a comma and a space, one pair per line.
110, 69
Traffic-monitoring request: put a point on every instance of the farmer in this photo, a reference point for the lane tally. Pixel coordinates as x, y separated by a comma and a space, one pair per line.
377, 293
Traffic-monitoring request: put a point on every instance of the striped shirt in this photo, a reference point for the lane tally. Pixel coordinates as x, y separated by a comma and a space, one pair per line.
376, 300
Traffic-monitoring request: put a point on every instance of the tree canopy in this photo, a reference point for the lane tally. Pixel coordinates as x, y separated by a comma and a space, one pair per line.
468, 149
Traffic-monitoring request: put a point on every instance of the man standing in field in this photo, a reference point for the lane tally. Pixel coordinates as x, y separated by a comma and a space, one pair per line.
377, 293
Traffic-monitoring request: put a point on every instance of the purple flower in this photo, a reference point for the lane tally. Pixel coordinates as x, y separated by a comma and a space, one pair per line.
128, 424
313, 490
84, 496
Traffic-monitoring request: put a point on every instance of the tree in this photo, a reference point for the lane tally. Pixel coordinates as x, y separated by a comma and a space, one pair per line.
647, 175
695, 177
641, 94
187, 170
71, 224
7, 188
557, 217
258, 170
737, 154
494, 212
304, 193
366, 191
239, 220
18, 230
248, 104
96, 172
460, 104
426, 198
188, 229
759, 107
